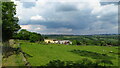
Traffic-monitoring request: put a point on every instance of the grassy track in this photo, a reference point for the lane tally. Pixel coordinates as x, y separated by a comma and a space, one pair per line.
41, 54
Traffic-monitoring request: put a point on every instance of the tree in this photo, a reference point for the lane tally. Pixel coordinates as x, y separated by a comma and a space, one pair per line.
35, 37
46, 37
24, 34
103, 43
76, 42
9, 21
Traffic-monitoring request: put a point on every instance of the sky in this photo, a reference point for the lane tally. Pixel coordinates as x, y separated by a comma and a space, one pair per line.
63, 17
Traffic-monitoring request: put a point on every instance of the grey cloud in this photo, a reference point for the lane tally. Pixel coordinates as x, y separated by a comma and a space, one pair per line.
66, 7
112, 18
77, 20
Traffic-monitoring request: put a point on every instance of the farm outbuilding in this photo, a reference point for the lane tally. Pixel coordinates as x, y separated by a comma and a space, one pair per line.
49, 41
66, 42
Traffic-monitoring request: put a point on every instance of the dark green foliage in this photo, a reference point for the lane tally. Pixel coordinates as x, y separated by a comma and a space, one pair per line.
56, 63
26, 35
35, 37
76, 42
9, 21
93, 55
46, 37
84, 63
105, 61
103, 43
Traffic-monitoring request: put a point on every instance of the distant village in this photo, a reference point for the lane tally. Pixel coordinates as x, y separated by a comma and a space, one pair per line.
66, 42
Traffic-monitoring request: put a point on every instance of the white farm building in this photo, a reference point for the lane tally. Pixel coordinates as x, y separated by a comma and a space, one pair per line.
66, 42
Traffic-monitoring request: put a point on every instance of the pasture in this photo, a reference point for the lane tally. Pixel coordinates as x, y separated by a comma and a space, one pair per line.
42, 54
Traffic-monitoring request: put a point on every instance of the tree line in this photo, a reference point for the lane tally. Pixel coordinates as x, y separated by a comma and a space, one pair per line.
23, 34
91, 40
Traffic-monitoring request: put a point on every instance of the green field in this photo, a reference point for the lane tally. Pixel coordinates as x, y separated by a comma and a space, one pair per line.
41, 54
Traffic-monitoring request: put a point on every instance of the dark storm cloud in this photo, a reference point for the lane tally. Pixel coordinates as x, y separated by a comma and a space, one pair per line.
28, 4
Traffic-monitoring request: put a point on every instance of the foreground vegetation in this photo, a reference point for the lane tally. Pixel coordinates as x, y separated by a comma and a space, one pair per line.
42, 54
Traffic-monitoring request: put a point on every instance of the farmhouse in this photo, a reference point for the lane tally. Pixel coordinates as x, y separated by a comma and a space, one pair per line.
66, 42
49, 40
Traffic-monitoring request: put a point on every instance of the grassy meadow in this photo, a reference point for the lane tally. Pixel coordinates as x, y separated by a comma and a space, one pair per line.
41, 54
